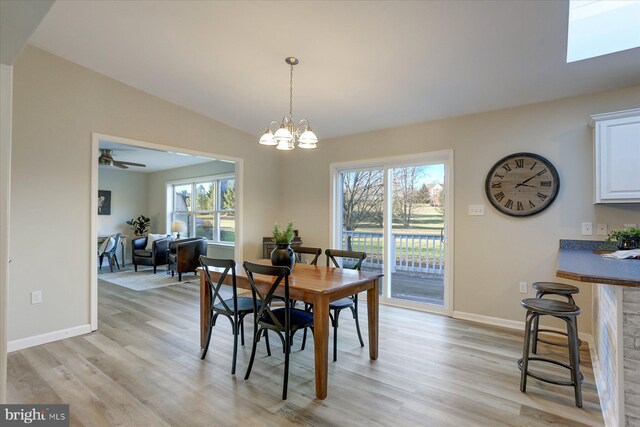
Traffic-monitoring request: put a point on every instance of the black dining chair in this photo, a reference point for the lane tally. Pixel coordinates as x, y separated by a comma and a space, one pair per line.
313, 260
350, 302
234, 309
108, 249
302, 250
284, 321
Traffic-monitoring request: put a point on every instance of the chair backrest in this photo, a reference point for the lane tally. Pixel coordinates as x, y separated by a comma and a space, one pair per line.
116, 242
229, 265
265, 298
299, 250
110, 244
332, 254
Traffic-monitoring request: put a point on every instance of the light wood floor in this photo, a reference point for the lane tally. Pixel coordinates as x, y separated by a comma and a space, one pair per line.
142, 368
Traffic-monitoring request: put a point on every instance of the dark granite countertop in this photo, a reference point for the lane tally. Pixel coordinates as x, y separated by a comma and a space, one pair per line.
583, 265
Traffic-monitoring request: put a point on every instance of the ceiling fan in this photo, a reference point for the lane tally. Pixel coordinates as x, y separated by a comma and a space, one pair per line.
107, 159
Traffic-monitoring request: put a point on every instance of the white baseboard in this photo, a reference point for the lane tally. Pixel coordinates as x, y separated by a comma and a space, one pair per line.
22, 343
510, 324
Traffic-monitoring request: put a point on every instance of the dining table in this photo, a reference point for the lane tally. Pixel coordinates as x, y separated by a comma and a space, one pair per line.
317, 285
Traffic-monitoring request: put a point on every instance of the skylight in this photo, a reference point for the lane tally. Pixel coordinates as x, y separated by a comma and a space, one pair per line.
599, 27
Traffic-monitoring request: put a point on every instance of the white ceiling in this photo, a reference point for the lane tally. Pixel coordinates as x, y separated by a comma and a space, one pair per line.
153, 159
18, 20
365, 65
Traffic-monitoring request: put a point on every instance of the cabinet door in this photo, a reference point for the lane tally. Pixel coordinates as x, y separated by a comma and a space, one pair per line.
617, 154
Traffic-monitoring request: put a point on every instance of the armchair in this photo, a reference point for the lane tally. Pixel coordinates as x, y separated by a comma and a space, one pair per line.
184, 255
155, 257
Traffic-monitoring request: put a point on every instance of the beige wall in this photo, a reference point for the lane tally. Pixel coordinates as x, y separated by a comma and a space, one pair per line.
6, 90
129, 191
57, 106
157, 198
494, 252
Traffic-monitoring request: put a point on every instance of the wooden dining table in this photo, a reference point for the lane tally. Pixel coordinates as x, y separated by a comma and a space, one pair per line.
319, 286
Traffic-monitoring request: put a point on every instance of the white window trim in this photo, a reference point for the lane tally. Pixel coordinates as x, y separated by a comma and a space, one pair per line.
386, 163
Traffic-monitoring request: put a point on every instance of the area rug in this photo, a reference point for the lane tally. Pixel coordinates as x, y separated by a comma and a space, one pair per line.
143, 280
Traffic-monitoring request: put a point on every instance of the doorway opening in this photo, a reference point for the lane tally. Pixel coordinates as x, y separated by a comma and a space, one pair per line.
131, 178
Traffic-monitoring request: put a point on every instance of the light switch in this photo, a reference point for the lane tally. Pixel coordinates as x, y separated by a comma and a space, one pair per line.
36, 297
476, 210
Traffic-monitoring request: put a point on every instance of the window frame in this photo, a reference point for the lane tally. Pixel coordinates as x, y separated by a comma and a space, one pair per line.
216, 212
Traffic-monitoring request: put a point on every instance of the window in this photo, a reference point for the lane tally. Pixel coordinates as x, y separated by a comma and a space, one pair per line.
207, 207
598, 27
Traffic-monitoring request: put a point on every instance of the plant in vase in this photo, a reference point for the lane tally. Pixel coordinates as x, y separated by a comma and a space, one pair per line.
629, 238
140, 226
283, 255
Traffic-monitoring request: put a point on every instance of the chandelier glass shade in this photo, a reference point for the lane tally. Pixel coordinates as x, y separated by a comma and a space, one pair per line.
287, 134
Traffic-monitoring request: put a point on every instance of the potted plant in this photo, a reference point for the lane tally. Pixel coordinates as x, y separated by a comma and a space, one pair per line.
283, 255
629, 238
140, 226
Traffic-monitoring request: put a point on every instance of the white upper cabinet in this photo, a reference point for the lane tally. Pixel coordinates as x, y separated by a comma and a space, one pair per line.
617, 157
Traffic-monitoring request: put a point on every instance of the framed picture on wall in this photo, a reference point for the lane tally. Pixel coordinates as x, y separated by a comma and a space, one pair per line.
104, 202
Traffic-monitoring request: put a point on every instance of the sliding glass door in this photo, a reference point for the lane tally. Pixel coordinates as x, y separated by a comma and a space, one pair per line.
361, 215
396, 210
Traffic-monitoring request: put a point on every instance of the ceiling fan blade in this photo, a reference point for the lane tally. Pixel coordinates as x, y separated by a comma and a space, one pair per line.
120, 165
130, 163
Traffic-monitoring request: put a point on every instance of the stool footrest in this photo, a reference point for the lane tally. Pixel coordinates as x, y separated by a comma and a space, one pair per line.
551, 331
551, 380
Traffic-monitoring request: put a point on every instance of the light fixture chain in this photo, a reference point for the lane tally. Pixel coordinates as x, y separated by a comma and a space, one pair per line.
291, 94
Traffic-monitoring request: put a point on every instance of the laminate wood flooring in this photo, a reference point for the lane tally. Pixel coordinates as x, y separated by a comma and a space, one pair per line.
142, 368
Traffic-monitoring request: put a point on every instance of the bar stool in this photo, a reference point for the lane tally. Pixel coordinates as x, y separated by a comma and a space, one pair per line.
552, 288
561, 310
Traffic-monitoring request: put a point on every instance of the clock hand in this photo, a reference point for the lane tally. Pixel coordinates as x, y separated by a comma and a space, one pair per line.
526, 185
525, 181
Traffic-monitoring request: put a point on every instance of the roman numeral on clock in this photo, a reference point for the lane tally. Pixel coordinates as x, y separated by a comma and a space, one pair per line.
496, 185
541, 196
506, 167
499, 196
509, 204
545, 183
497, 175
531, 204
542, 172
533, 165
520, 207
519, 163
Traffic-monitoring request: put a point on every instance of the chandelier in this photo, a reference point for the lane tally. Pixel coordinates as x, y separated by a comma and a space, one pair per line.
286, 136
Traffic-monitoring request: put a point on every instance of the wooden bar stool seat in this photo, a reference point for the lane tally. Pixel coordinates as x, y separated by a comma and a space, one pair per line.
552, 288
537, 307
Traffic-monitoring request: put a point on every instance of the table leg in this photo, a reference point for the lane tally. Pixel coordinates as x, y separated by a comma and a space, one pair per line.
321, 343
205, 298
373, 310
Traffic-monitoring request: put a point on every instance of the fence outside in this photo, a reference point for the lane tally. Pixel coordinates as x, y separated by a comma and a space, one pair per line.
411, 252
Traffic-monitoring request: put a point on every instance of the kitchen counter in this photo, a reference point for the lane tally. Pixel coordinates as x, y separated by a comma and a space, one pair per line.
615, 325
585, 266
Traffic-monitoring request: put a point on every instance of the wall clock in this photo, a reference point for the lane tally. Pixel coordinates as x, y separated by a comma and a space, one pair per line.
522, 184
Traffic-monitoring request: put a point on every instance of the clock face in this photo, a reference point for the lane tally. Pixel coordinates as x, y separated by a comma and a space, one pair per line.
522, 184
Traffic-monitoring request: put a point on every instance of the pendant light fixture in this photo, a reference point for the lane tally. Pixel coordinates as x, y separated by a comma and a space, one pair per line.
287, 134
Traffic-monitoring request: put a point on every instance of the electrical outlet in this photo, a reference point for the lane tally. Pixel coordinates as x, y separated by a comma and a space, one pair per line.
523, 287
602, 230
476, 210
36, 297
587, 228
